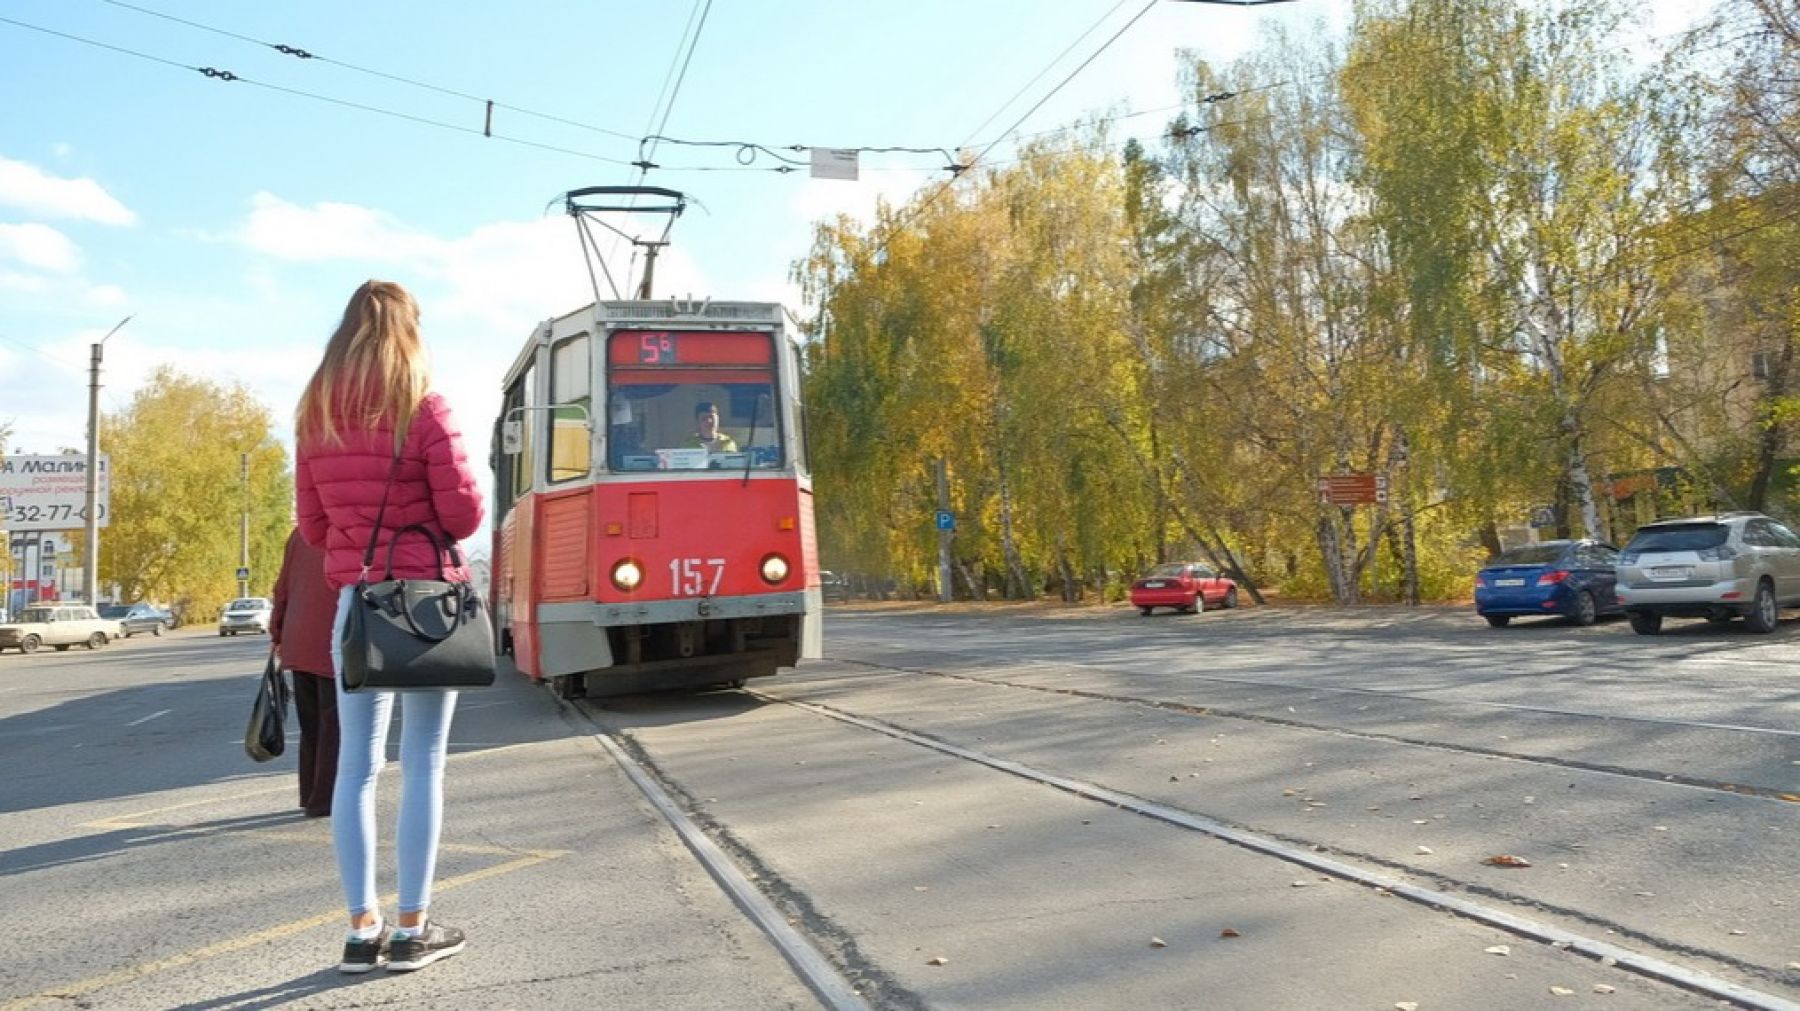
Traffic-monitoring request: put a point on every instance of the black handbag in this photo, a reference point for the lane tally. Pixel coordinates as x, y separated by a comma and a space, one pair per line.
415, 634
266, 736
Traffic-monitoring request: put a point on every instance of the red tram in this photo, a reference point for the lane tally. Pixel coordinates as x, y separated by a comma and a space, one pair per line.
653, 509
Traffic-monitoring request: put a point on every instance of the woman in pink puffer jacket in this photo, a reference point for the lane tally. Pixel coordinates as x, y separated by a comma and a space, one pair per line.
364, 409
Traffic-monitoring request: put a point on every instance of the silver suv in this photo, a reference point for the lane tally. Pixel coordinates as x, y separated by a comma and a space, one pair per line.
1714, 567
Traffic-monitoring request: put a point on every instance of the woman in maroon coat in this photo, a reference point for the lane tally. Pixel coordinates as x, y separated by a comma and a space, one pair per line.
378, 453
305, 609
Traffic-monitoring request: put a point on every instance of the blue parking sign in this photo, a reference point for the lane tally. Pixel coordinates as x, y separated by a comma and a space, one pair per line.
946, 520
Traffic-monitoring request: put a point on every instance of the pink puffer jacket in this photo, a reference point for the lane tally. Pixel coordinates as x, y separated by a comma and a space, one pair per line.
339, 487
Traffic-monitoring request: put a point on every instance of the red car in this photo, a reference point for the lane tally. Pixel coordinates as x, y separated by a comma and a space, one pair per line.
1184, 586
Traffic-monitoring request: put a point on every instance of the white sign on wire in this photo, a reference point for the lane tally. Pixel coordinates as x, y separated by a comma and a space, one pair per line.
834, 163
50, 492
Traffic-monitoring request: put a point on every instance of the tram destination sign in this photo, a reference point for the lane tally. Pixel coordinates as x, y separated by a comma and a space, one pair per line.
50, 492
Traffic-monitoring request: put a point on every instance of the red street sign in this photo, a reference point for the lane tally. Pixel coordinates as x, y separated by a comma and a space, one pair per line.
1352, 489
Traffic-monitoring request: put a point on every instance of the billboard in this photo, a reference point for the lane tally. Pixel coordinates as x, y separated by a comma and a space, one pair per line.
50, 492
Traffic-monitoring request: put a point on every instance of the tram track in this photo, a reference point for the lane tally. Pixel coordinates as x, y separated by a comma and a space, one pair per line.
843, 980
1786, 794
827, 956
1334, 862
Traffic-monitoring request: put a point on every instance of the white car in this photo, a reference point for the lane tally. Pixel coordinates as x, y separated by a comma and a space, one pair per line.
246, 614
59, 625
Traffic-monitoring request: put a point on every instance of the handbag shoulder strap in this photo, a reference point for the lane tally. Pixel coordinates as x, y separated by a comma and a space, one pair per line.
375, 532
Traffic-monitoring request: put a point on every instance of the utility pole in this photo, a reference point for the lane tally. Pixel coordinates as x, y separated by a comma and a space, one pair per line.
244, 526
90, 572
946, 531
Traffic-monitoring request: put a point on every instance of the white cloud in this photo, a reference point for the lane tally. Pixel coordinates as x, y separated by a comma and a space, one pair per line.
39, 246
14, 281
105, 296
29, 188
331, 231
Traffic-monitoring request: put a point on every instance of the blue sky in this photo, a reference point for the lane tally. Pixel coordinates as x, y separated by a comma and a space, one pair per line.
232, 219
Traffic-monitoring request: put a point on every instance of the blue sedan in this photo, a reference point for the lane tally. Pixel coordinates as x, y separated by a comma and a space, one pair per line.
1573, 579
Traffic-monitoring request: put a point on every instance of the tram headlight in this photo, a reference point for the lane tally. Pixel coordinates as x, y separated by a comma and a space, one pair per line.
774, 569
627, 574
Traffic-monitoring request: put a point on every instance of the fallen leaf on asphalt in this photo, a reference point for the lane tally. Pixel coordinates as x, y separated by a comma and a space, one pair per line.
1290, 793
1792, 798
1299, 884
1421, 821
1603, 988
1407, 1005
1645, 895
1737, 933
1424, 851
1794, 966
1174, 779
1506, 860
1662, 828
1228, 932
938, 960
1157, 942
1561, 991
1498, 949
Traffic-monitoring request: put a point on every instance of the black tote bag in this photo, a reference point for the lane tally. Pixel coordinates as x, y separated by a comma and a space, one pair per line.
266, 736
416, 634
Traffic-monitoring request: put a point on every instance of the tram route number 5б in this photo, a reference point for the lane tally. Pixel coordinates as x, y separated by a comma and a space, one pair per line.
694, 577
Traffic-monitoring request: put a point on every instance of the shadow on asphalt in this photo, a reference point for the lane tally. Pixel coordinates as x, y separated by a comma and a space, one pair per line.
111, 744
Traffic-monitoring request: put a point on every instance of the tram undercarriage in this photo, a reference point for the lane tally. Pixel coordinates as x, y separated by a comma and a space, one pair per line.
726, 652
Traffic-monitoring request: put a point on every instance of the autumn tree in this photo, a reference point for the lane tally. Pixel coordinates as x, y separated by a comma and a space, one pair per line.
179, 494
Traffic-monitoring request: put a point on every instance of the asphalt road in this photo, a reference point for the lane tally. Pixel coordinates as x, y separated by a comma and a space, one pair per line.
145, 862
1254, 808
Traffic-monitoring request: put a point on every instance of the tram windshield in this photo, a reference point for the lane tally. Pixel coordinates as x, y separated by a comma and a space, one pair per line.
692, 401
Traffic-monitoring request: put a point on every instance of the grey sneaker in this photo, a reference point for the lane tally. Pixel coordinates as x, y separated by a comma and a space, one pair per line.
432, 942
365, 956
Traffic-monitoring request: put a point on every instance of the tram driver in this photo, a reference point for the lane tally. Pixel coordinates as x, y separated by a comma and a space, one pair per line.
706, 430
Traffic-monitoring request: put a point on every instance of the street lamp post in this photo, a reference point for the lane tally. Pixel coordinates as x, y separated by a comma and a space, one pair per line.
90, 572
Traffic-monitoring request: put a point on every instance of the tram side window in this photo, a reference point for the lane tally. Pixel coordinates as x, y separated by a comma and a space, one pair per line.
571, 400
521, 396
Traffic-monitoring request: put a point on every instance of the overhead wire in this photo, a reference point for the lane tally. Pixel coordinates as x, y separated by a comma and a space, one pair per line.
304, 54
665, 103
919, 208
230, 77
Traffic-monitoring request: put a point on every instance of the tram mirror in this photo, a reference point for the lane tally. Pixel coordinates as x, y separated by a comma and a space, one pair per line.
512, 435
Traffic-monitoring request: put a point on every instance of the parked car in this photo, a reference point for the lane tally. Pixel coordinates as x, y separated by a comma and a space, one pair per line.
135, 618
833, 586
1184, 586
1739, 564
59, 625
246, 614
1574, 579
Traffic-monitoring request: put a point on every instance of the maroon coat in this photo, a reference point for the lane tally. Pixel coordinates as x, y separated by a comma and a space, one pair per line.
305, 610
339, 489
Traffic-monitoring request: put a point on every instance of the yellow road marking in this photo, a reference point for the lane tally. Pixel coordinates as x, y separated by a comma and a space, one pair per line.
141, 970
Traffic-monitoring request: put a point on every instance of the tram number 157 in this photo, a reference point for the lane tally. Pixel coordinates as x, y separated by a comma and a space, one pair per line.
694, 577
